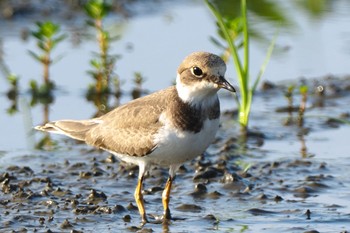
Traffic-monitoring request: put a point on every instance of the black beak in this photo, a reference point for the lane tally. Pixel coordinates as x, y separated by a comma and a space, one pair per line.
223, 83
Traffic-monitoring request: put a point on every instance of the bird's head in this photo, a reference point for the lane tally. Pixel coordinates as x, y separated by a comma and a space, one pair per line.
200, 76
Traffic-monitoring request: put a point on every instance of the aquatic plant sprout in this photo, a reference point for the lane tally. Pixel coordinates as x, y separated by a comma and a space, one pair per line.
104, 63
48, 37
242, 65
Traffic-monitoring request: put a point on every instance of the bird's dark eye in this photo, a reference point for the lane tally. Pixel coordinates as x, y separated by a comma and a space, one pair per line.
197, 71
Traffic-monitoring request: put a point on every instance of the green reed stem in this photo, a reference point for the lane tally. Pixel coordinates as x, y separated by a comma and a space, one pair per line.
242, 72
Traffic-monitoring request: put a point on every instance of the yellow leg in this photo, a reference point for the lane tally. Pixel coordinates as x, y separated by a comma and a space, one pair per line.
139, 200
166, 198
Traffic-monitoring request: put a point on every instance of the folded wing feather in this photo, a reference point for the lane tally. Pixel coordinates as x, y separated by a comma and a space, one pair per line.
128, 129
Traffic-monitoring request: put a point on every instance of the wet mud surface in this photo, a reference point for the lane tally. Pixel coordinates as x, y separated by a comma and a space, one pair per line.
273, 183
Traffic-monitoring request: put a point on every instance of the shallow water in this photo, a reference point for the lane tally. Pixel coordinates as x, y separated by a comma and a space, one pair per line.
292, 170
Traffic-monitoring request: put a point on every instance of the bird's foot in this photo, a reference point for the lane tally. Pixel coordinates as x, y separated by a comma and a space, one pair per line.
165, 218
161, 219
144, 220
157, 219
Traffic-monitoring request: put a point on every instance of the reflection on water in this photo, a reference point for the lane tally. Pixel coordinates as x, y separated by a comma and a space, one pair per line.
12, 95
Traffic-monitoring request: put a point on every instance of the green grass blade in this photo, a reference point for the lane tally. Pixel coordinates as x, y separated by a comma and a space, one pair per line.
228, 38
245, 43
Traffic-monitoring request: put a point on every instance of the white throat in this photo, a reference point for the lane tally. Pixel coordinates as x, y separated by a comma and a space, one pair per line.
200, 93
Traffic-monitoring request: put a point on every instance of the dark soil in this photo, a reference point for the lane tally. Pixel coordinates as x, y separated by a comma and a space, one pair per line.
233, 187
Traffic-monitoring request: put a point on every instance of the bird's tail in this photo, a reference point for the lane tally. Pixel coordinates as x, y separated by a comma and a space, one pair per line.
76, 129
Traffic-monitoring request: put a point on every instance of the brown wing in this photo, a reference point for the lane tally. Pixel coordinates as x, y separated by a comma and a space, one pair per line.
129, 129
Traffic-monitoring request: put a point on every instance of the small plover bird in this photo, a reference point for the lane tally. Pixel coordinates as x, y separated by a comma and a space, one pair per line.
166, 128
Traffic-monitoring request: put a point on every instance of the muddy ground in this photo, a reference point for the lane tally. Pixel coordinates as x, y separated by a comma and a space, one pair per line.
233, 187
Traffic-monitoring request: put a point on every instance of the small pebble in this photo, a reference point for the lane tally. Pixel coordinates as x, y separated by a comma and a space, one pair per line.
119, 208
189, 208
131, 206
66, 224
127, 218
41, 220
278, 198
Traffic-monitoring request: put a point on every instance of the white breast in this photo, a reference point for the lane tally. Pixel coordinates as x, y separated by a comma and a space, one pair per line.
176, 146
